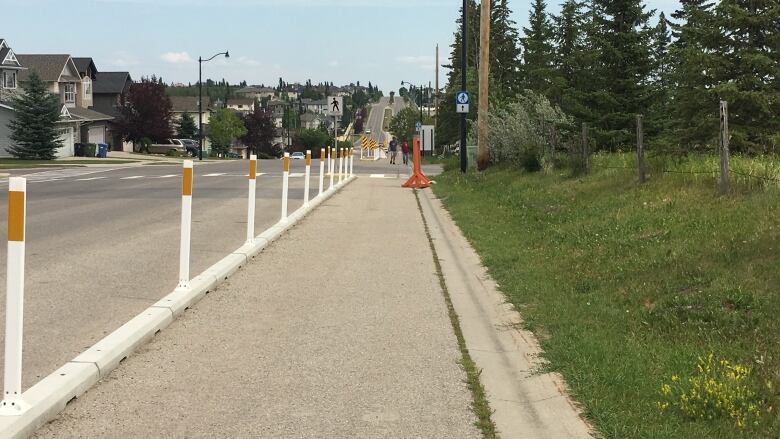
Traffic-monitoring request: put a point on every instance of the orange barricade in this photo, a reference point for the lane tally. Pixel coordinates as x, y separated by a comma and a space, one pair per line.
418, 179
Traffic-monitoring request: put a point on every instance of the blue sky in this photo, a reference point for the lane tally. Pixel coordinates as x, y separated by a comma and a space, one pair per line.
383, 41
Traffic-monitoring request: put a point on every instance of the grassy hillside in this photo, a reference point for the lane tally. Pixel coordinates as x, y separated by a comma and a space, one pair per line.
659, 303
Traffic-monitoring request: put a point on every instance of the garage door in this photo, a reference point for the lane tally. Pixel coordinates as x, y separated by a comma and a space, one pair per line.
66, 139
97, 134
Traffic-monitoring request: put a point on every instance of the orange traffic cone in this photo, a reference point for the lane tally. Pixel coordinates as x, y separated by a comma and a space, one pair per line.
418, 179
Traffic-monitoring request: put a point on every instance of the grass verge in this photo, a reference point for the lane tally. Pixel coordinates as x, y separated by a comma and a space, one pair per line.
631, 288
388, 116
479, 402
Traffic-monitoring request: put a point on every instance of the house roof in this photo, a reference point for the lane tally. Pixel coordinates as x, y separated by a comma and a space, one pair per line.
87, 114
49, 67
238, 101
84, 64
186, 103
110, 82
8, 58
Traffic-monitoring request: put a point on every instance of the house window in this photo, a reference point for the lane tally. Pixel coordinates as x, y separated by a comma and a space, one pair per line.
70, 93
9, 79
87, 83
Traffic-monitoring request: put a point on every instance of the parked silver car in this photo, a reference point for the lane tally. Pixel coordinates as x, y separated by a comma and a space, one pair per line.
169, 146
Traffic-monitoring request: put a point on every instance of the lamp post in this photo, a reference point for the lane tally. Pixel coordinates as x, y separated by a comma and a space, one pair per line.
200, 99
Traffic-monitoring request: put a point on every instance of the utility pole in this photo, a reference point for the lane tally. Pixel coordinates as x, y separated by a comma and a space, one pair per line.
484, 85
463, 40
436, 97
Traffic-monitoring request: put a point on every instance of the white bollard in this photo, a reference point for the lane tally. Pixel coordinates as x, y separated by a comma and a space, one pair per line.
285, 183
252, 200
341, 164
322, 170
186, 225
331, 161
307, 175
13, 404
351, 162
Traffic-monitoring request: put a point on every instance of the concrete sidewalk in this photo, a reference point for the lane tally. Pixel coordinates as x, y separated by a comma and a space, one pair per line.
338, 329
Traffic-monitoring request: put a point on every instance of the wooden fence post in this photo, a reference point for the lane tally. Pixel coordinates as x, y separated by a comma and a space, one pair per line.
585, 152
640, 148
553, 142
724, 147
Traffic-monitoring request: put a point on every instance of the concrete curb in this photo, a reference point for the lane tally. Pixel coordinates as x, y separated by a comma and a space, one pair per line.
50, 395
526, 403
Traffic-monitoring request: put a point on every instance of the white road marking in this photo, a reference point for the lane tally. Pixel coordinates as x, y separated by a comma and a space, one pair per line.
134, 177
297, 174
217, 174
90, 179
167, 176
376, 176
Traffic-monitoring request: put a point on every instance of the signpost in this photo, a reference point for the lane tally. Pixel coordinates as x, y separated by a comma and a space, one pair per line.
462, 100
335, 109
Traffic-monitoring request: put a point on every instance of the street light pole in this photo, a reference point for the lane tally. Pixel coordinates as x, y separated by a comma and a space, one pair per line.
200, 99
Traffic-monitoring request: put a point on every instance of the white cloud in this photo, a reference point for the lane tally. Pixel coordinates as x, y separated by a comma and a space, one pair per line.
247, 61
333, 63
424, 62
176, 57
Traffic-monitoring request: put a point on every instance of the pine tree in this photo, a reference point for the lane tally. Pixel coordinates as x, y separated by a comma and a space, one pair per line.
186, 128
657, 115
572, 72
34, 129
622, 34
505, 64
748, 74
472, 47
695, 106
538, 49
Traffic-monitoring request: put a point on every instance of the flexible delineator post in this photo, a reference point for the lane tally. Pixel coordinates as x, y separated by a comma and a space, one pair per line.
251, 200
285, 183
13, 404
186, 224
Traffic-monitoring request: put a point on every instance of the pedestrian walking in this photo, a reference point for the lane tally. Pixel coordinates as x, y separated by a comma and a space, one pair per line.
405, 152
393, 150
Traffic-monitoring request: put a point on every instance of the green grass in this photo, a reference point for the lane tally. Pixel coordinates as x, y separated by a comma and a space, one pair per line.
627, 285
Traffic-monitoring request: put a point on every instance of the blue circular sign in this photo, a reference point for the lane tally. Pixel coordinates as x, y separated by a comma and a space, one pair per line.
462, 97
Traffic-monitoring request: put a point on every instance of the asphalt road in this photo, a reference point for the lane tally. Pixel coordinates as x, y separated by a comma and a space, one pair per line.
103, 244
376, 116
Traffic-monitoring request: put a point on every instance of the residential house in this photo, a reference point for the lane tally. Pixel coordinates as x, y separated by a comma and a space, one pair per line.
311, 121
9, 71
259, 93
189, 104
277, 112
78, 123
243, 106
95, 131
316, 107
108, 96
